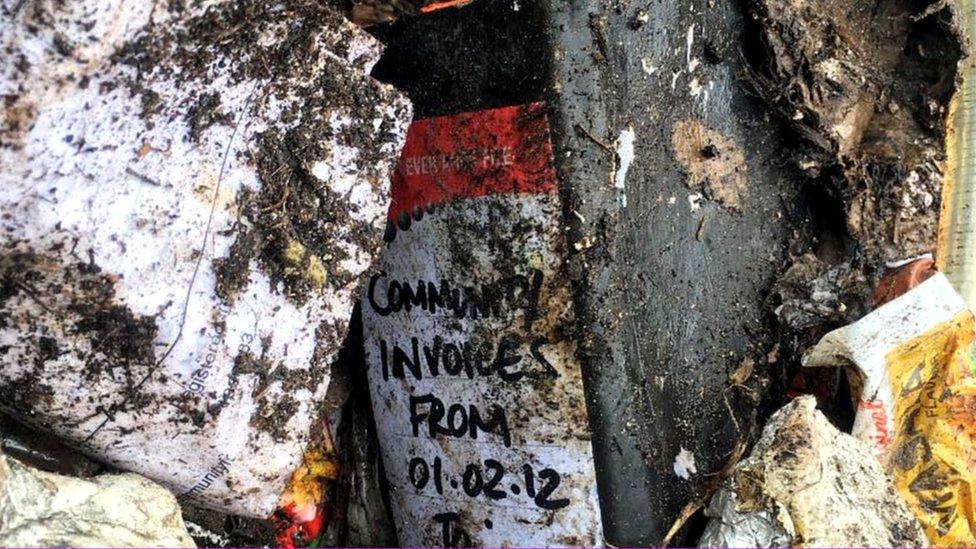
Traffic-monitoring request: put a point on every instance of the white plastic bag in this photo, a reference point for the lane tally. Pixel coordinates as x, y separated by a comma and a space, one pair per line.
187, 202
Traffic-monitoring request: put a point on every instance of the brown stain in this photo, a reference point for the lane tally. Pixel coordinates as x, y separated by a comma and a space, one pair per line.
712, 161
145, 149
208, 192
16, 119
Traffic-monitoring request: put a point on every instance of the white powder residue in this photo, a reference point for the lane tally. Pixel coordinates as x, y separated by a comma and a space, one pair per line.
625, 156
684, 464
648, 66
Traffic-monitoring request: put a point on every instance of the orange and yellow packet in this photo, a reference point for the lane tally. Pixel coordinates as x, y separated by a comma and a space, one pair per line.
916, 401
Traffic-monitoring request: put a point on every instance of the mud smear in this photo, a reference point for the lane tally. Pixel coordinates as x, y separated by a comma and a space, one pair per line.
295, 224
120, 344
16, 119
867, 85
713, 163
205, 113
273, 414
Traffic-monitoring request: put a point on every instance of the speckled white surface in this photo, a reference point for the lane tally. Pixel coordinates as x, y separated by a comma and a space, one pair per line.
87, 180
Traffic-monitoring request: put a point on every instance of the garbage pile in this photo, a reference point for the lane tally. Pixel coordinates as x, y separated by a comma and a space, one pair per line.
808, 485
477, 273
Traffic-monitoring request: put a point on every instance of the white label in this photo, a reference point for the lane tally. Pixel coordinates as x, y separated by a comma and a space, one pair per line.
476, 389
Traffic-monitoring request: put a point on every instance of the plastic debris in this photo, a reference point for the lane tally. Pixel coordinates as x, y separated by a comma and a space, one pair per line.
187, 207
731, 528
815, 296
916, 383
305, 506
902, 277
475, 385
808, 485
39, 509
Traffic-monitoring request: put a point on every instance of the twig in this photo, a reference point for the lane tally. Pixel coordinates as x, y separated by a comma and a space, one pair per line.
701, 229
605, 147
282, 204
143, 177
597, 140
693, 506
735, 421
33, 295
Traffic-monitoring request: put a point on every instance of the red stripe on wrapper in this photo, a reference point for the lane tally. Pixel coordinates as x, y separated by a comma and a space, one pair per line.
497, 151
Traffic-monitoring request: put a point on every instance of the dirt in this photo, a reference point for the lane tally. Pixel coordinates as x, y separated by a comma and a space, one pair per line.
17, 112
233, 272
867, 85
16, 119
292, 209
714, 163
210, 528
120, 343
813, 297
123, 337
272, 416
120, 347
205, 113
187, 54
274, 413
187, 51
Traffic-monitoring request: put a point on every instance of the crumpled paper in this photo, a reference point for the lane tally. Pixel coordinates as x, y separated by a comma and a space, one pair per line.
39, 509
808, 485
